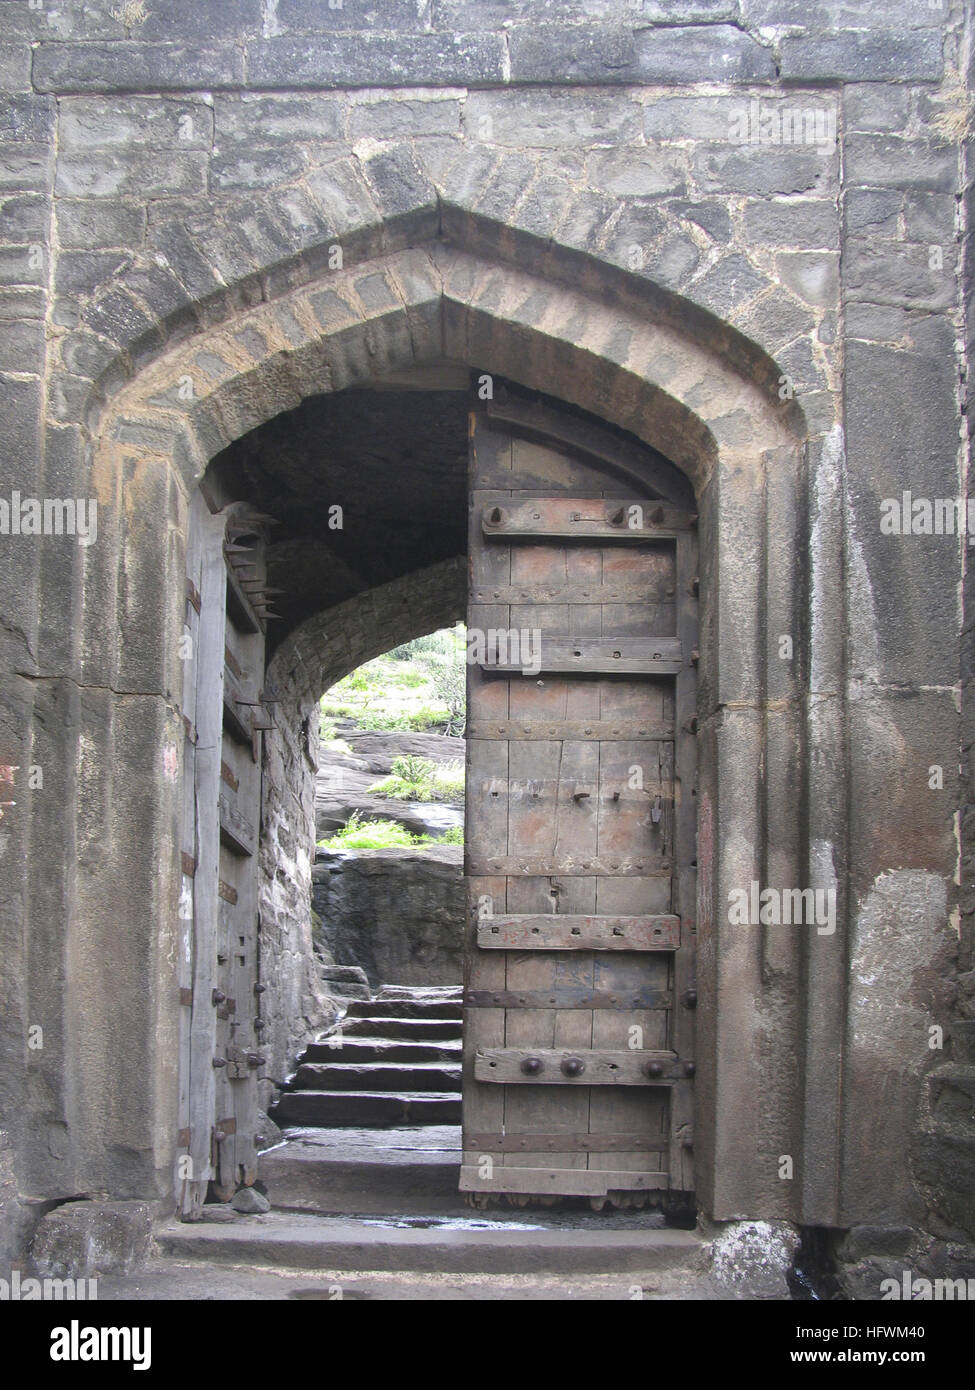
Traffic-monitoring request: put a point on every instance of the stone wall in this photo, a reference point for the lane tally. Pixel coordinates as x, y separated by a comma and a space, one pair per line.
167, 177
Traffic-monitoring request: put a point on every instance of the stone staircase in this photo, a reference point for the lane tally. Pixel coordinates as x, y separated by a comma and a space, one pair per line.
392, 1060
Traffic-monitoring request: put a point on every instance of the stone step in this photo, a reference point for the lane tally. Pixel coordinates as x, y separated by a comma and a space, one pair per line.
360, 1109
420, 992
407, 1008
377, 1076
446, 1245
415, 1029
338, 989
358, 1050
349, 974
407, 1170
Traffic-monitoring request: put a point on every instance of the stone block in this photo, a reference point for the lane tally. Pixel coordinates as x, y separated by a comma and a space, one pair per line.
733, 281
400, 187
886, 161
27, 167
551, 119
702, 53
812, 275
264, 121
765, 170
173, 21
27, 119
91, 123
383, 60
797, 222
314, 17
112, 173
873, 211
639, 173
855, 55
902, 433
930, 217
25, 217
85, 224
21, 343
14, 67
381, 116
900, 273
85, 1239
255, 168
137, 67
871, 106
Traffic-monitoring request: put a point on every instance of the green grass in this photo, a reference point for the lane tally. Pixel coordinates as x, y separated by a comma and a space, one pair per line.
417, 687
386, 834
420, 779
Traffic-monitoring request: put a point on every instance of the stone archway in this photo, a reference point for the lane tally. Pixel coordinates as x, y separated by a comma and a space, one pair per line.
677, 385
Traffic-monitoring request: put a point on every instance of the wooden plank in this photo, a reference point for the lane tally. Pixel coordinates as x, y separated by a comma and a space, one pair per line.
520, 865
582, 1143
642, 997
685, 896
206, 782
605, 1067
585, 518
622, 591
575, 932
580, 656
579, 1182
595, 730
236, 831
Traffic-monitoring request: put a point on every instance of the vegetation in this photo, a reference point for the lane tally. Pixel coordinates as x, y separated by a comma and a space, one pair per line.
418, 687
385, 834
420, 779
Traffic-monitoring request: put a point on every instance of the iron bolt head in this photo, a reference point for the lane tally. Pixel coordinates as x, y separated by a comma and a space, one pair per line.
217, 997
573, 1066
689, 1068
690, 998
531, 1066
654, 1069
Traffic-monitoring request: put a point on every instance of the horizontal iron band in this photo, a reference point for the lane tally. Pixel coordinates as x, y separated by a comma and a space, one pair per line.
568, 999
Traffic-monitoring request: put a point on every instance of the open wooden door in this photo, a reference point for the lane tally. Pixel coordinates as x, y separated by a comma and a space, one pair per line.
223, 716
579, 988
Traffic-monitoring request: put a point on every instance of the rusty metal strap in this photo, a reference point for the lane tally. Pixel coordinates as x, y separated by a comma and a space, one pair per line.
643, 998
484, 1142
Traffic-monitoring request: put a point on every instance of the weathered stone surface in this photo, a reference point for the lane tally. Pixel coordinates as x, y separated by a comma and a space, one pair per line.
885, 161
550, 119
249, 1202
112, 67
798, 222
753, 1256
83, 1239
855, 56
111, 173
366, 59
397, 914
763, 170
899, 273
100, 122
873, 106
14, 67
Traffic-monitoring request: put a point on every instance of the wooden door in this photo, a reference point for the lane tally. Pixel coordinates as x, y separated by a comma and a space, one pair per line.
223, 717
581, 818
